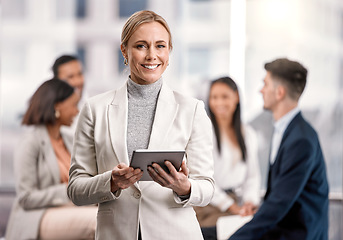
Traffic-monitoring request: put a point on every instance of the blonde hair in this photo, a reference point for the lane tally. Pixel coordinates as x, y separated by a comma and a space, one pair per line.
137, 19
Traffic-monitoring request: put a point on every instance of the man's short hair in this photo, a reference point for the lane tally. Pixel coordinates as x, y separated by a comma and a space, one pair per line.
290, 73
61, 60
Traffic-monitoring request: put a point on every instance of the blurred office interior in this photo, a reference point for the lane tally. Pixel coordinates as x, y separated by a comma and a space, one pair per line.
211, 38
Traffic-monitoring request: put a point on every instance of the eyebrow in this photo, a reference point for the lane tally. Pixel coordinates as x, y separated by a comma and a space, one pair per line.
143, 41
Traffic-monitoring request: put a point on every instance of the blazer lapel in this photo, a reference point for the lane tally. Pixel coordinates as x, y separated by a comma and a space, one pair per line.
165, 114
49, 154
287, 132
117, 121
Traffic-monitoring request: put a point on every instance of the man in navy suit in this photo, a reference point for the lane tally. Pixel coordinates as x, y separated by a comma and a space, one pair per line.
295, 206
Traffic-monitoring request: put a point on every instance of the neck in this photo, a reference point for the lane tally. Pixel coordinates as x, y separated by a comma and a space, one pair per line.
54, 131
224, 123
283, 109
149, 91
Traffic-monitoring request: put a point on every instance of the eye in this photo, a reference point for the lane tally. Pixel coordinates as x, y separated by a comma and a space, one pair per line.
141, 46
161, 46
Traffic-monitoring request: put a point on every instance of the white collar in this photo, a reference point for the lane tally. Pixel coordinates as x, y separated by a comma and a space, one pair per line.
281, 124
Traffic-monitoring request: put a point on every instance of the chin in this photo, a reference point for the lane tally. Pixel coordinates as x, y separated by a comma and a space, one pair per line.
266, 108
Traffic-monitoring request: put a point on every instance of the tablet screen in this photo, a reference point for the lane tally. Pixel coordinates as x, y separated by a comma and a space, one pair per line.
142, 158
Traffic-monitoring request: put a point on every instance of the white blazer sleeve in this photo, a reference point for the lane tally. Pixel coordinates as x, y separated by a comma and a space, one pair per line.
86, 186
221, 200
200, 159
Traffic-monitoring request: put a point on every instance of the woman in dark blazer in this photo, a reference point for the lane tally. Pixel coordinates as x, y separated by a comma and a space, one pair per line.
42, 208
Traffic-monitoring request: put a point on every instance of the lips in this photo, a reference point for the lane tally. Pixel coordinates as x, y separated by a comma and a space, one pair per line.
150, 66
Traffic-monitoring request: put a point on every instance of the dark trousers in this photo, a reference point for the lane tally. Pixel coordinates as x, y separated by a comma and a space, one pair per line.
139, 232
209, 233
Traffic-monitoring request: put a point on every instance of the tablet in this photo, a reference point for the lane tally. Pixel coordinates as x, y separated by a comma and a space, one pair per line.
142, 158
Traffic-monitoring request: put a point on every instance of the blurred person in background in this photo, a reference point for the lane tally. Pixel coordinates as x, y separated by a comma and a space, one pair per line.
143, 114
42, 209
296, 201
236, 168
69, 68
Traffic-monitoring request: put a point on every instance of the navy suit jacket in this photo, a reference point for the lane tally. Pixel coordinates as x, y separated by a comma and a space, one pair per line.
296, 202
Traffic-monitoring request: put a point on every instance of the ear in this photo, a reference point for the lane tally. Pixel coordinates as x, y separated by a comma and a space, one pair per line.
281, 92
123, 51
57, 106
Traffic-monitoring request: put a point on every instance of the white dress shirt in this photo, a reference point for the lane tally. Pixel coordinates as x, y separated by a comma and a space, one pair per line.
279, 129
231, 172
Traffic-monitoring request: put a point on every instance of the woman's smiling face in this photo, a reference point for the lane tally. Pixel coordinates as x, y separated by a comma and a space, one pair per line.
147, 52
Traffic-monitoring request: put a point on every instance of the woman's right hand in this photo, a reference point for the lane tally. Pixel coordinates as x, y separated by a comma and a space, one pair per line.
234, 209
124, 176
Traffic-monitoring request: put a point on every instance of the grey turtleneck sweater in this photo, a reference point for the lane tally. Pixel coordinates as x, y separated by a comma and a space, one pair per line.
142, 100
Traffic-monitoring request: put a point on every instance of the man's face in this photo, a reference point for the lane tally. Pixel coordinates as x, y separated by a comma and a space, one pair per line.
269, 92
71, 72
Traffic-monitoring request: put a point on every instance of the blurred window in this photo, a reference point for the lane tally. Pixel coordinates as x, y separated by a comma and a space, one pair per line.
13, 58
81, 54
81, 9
201, 10
128, 7
64, 9
199, 60
14, 9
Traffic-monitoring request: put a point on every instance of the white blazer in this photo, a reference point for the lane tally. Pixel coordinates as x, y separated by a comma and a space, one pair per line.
100, 144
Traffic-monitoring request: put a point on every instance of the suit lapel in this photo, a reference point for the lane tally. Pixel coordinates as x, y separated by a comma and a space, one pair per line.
287, 132
273, 167
117, 121
49, 154
165, 114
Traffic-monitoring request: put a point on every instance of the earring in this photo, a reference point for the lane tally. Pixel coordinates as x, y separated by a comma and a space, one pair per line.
57, 114
126, 62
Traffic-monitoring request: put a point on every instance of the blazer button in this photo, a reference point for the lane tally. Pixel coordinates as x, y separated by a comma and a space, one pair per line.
137, 195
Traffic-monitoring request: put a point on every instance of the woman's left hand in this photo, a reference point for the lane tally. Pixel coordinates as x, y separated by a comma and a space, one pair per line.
175, 180
248, 209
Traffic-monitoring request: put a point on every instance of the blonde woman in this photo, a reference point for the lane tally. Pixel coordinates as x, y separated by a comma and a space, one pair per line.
143, 114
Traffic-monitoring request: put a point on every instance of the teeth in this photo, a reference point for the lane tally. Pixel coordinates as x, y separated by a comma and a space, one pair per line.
150, 66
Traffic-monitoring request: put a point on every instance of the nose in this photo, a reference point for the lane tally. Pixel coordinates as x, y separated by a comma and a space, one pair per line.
151, 55
217, 102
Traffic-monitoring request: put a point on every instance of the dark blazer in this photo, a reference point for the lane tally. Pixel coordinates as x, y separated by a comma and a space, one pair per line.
296, 202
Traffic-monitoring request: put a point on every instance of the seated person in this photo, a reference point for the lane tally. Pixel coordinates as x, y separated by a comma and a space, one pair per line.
42, 209
296, 202
236, 168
